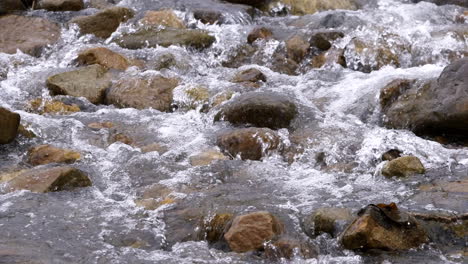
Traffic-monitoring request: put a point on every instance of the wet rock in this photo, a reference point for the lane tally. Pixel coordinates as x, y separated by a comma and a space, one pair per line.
249, 143
9, 123
463, 3
104, 57
250, 75
28, 34
323, 39
390, 93
104, 23
330, 57
330, 220
261, 109
249, 232
45, 154
383, 227
43, 180
391, 155
153, 204
41, 107
165, 18
450, 195
100, 4
434, 108
248, 2
155, 147
152, 37
207, 16
122, 138
288, 249
182, 225
8, 6
207, 157
297, 48
403, 167
259, 33
301, 7
90, 82
26, 132
216, 226
60, 5
153, 92
102, 125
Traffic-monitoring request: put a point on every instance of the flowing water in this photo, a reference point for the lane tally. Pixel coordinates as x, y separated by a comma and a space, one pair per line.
338, 112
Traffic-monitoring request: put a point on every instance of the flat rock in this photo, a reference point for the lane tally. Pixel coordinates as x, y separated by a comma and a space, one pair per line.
104, 23
9, 123
45, 154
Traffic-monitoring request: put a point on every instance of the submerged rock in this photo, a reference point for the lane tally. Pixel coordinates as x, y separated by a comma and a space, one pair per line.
7, 6
250, 75
43, 180
90, 82
207, 16
259, 33
303, 7
165, 18
285, 248
207, 157
153, 92
261, 109
9, 123
323, 39
28, 34
41, 107
216, 226
104, 23
391, 155
45, 154
152, 37
297, 48
403, 167
327, 220
104, 57
249, 143
60, 5
249, 232
383, 227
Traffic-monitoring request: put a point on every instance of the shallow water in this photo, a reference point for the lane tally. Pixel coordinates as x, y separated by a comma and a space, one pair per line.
338, 107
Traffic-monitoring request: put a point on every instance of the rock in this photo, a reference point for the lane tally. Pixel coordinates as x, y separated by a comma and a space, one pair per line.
323, 39
330, 57
9, 123
250, 75
165, 18
391, 155
249, 143
104, 23
98, 126
403, 167
248, 2
303, 7
249, 232
43, 180
207, 157
450, 195
390, 93
330, 220
152, 204
153, 92
122, 138
60, 5
100, 4
41, 107
297, 48
215, 227
288, 249
104, 57
261, 109
463, 3
259, 33
45, 154
434, 108
207, 16
383, 227
8, 6
28, 34
152, 37
161, 149
26, 132
90, 82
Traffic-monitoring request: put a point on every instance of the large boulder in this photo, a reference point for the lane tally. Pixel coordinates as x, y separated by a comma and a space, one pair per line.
45, 154
43, 180
104, 57
60, 5
28, 34
249, 232
249, 143
9, 123
90, 82
261, 109
433, 108
104, 23
403, 167
383, 227
155, 92
165, 18
153, 37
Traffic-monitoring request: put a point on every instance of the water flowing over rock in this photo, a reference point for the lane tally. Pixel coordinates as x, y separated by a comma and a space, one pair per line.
90, 82
327, 220
60, 5
303, 7
261, 109
9, 123
104, 57
154, 92
259, 33
166, 18
45, 154
104, 23
289, 249
28, 34
403, 167
43, 180
250, 75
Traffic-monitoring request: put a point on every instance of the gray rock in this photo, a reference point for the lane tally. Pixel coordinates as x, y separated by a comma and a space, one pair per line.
327, 220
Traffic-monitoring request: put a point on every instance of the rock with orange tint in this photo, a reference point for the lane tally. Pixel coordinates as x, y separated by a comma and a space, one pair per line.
45, 154
207, 157
166, 18
104, 57
249, 143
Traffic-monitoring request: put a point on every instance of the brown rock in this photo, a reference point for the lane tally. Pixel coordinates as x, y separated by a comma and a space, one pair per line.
323, 39
249, 143
288, 249
403, 167
249, 232
52, 107
98, 126
49, 180
259, 33
28, 34
391, 154
45, 154
119, 137
8, 6
104, 23
383, 227
153, 92
216, 227
303, 7
297, 48
208, 16
9, 123
207, 157
330, 220
393, 90
99, 4
104, 57
161, 149
166, 18
26, 132
60, 5
250, 75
